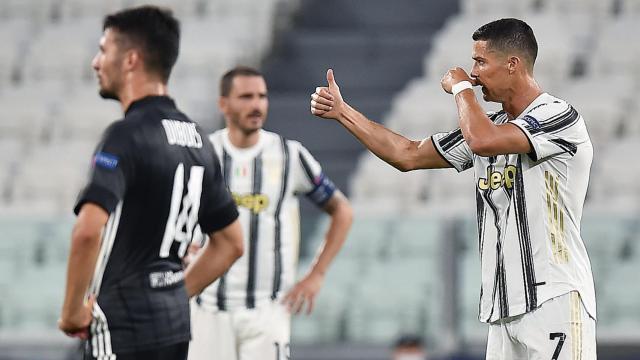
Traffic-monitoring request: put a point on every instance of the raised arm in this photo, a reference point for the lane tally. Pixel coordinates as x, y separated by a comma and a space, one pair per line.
395, 149
307, 289
483, 136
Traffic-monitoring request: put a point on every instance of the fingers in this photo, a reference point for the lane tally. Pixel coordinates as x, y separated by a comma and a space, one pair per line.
72, 331
297, 304
321, 101
296, 299
82, 334
331, 80
310, 302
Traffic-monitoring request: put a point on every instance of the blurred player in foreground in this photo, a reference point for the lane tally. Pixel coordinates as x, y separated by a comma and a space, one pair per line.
531, 163
246, 314
154, 181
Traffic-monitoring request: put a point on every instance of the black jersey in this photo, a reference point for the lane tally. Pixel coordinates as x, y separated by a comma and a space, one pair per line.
160, 181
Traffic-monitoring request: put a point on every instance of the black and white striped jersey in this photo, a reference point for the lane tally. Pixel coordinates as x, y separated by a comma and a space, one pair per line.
265, 180
159, 179
529, 208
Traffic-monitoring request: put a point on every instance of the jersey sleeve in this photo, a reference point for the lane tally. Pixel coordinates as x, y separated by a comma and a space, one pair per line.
552, 129
309, 178
112, 169
217, 208
454, 149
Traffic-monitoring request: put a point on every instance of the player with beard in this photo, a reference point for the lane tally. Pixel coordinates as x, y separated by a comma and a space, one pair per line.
154, 182
246, 313
531, 162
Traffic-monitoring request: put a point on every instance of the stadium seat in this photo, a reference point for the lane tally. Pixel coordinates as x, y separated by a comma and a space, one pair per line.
488, 7
400, 306
596, 8
415, 236
613, 39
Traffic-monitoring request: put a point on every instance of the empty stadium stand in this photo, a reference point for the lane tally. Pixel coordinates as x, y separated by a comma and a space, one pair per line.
392, 275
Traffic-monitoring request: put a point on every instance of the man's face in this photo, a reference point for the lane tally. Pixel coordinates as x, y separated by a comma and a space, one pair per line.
247, 105
108, 65
491, 71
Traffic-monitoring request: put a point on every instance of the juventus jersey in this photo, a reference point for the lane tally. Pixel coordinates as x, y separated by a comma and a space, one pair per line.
160, 181
264, 180
529, 208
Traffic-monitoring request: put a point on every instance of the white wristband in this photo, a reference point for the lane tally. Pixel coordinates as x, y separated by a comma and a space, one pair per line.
462, 85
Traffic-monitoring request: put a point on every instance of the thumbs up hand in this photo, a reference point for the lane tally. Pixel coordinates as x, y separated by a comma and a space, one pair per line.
326, 102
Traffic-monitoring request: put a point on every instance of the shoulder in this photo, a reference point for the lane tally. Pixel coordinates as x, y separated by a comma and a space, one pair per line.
271, 138
551, 108
216, 136
120, 131
275, 139
295, 145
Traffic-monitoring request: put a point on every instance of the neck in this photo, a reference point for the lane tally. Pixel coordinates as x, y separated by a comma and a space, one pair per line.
521, 96
138, 88
242, 139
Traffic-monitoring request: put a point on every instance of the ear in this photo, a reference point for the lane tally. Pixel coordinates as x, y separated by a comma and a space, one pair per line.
132, 60
514, 63
222, 103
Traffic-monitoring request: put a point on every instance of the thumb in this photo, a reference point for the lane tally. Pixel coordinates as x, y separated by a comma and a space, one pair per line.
331, 80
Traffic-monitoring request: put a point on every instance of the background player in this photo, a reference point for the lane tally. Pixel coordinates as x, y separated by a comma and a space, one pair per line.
242, 315
154, 181
531, 162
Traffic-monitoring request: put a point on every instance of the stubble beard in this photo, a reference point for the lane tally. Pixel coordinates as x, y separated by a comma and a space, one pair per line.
108, 94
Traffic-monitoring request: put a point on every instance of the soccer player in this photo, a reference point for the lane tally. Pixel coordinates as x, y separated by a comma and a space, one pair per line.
246, 313
154, 181
531, 162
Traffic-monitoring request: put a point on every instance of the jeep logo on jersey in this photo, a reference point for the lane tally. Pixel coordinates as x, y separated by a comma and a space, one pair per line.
256, 203
496, 179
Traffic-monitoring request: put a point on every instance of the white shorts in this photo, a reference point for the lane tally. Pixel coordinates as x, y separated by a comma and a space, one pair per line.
260, 333
560, 329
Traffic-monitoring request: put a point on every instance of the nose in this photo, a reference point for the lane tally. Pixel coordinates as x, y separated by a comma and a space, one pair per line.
474, 71
95, 63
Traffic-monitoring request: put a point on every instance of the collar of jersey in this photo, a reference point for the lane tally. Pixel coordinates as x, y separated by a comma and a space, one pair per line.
246, 153
148, 100
542, 98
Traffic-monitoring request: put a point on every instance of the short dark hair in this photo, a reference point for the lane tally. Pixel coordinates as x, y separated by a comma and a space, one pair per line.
509, 34
227, 79
154, 30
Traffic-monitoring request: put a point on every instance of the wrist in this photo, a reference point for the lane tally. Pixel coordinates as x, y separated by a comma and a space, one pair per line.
317, 272
460, 86
345, 113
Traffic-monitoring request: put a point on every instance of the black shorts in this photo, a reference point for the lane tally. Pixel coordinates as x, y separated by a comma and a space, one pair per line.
172, 352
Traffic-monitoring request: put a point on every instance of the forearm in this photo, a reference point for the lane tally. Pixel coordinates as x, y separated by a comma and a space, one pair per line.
341, 219
80, 268
218, 254
393, 148
477, 128
209, 265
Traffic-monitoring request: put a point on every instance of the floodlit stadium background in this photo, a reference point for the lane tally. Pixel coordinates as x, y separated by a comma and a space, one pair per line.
410, 265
